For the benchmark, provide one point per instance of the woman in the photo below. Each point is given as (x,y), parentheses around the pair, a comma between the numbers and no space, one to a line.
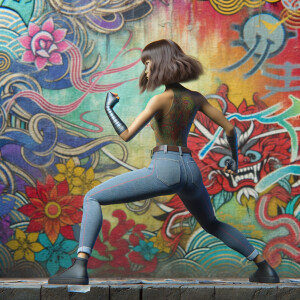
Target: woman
(172,168)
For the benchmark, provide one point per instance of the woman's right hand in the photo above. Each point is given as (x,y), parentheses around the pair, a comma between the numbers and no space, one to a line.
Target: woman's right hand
(231,167)
(111,99)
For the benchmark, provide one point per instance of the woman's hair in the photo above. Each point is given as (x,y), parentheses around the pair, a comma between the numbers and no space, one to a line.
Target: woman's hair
(169,64)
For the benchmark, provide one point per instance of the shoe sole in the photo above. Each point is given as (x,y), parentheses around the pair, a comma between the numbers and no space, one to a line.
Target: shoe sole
(265,280)
(80,281)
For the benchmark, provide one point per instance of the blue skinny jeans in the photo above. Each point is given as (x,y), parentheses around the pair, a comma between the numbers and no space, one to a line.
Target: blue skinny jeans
(168,173)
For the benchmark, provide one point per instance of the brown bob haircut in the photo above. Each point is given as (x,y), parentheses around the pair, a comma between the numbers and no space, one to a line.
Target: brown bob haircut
(169,64)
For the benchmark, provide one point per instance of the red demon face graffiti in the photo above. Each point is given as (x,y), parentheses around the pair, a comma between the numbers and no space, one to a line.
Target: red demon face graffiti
(260,151)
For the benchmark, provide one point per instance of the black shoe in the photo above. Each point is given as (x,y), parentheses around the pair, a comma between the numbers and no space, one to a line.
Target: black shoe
(264,274)
(76,274)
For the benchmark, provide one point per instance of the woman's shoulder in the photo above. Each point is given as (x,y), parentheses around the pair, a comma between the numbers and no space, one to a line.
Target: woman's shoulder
(195,94)
(197,97)
(161,100)
(165,96)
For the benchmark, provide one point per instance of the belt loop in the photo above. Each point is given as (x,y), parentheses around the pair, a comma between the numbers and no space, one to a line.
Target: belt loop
(151,153)
(180,150)
(165,148)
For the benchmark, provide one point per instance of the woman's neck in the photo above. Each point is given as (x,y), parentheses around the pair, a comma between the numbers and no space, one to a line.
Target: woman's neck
(172,85)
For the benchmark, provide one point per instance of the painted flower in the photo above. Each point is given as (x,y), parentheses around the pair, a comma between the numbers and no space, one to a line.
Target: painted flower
(146,249)
(84,183)
(44,44)
(52,209)
(112,247)
(68,171)
(80,182)
(5,231)
(114,250)
(24,245)
(160,243)
(58,254)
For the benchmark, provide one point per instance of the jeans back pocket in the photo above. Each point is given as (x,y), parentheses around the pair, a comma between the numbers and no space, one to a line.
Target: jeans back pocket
(168,171)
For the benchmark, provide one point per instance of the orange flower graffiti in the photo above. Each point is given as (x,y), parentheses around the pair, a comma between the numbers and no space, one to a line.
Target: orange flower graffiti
(52,209)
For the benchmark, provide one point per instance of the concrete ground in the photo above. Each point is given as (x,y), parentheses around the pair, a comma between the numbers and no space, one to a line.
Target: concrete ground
(155,289)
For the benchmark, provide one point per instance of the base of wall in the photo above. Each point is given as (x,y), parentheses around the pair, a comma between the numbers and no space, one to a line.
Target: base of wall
(138,289)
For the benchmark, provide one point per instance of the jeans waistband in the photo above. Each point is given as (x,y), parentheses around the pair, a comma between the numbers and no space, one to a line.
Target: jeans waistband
(167,148)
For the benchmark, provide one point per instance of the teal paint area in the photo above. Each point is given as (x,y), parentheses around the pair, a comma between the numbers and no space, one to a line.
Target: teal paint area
(23,7)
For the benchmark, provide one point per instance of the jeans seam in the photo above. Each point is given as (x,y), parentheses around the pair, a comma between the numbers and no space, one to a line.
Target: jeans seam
(191,173)
(193,181)
(85,220)
(183,166)
(235,239)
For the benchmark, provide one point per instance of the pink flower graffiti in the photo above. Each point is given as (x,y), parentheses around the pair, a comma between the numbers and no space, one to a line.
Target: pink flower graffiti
(44,44)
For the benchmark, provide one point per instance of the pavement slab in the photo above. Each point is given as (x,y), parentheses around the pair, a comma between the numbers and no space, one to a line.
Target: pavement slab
(149,289)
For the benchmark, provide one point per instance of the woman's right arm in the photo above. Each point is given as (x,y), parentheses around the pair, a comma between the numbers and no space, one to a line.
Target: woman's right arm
(218,117)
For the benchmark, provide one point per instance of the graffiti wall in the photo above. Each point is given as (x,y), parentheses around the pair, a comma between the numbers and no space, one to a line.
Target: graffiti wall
(58,59)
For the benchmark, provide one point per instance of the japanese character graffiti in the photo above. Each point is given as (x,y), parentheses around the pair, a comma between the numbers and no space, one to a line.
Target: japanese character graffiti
(262,36)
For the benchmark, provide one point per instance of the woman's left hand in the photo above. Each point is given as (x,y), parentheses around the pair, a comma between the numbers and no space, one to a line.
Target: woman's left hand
(231,167)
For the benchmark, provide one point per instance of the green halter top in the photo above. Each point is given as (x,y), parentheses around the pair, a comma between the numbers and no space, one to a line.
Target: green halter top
(173,128)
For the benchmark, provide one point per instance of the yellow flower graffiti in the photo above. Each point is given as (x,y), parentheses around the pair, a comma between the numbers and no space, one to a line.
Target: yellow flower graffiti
(80,182)
(160,243)
(68,171)
(230,7)
(25,245)
(84,183)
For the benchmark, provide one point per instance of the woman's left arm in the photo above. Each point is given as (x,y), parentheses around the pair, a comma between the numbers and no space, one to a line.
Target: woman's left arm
(154,105)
